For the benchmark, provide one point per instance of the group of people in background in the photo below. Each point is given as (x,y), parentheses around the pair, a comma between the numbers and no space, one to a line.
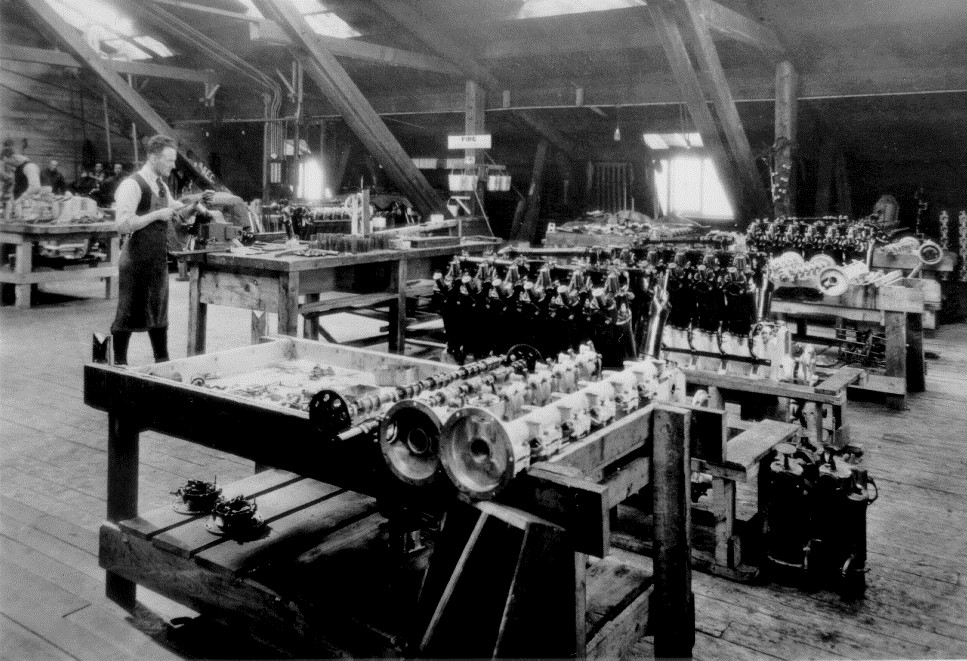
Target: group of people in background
(22,177)
(97,183)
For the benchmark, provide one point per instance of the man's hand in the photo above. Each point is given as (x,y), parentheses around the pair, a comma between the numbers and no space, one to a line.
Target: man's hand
(208,196)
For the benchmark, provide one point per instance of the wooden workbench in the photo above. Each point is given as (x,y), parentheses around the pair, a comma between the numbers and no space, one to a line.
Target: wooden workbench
(510,578)
(308,286)
(24,237)
(899,308)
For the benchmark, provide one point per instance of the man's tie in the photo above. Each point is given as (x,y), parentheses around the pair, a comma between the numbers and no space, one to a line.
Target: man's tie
(162,193)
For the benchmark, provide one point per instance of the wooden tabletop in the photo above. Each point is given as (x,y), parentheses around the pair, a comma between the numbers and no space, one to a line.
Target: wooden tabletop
(48,229)
(289,263)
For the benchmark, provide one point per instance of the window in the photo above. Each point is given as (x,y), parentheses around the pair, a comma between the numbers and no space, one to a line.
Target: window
(688,184)
(109,31)
(541,8)
(311,184)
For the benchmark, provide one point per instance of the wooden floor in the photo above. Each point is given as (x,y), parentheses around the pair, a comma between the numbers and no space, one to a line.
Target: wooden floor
(52,484)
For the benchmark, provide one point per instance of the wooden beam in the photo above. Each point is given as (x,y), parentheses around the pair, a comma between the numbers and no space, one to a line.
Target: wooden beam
(696,31)
(271,32)
(525,215)
(474,124)
(824,177)
(58,58)
(673,44)
(108,79)
(435,37)
(784,189)
(732,25)
(347,98)
(609,30)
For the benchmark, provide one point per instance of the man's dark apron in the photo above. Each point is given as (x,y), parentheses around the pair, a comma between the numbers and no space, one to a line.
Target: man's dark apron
(143,269)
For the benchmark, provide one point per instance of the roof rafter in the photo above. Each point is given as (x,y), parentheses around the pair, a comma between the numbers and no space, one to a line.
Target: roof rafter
(269,31)
(59,58)
(133,104)
(423,28)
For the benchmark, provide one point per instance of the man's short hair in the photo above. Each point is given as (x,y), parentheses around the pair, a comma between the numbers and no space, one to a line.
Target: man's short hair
(158,143)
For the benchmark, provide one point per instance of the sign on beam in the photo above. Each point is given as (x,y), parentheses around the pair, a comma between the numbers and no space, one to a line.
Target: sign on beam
(468,141)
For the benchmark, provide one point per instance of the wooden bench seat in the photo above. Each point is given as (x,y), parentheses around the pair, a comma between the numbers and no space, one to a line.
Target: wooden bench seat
(321,579)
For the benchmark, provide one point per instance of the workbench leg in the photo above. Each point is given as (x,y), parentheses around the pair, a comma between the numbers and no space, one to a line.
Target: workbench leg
(727,552)
(197,313)
(259,326)
(25,264)
(673,613)
(916,367)
(397,316)
(122,493)
(310,323)
(896,344)
(114,259)
(289,304)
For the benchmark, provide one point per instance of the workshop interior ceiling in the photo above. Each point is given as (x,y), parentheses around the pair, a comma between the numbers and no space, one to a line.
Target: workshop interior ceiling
(887,78)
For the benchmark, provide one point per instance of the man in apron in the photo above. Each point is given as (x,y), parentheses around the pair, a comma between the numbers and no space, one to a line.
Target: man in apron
(144,208)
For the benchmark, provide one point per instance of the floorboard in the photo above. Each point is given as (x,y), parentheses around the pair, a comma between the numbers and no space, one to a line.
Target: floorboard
(52,499)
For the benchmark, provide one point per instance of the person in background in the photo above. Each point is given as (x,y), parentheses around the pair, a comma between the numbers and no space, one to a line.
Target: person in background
(99,172)
(52,177)
(143,209)
(25,174)
(85,184)
(110,185)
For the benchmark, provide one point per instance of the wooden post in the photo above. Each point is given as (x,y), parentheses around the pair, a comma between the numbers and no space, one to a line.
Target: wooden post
(397,311)
(113,259)
(673,612)
(122,492)
(525,216)
(260,326)
(706,54)
(197,313)
(844,198)
(787,84)
(107,129)
(474,113)
(672,42)
(916,369)
(24,253)
(289,303)
(824,177)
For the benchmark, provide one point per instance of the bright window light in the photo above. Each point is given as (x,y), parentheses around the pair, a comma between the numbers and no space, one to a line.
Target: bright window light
(126,50)
(154,46)
(101,22)
(669,140)
(308,6)
(311,180)
(539,8)
(689,185)
(330,25)
(93,11)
